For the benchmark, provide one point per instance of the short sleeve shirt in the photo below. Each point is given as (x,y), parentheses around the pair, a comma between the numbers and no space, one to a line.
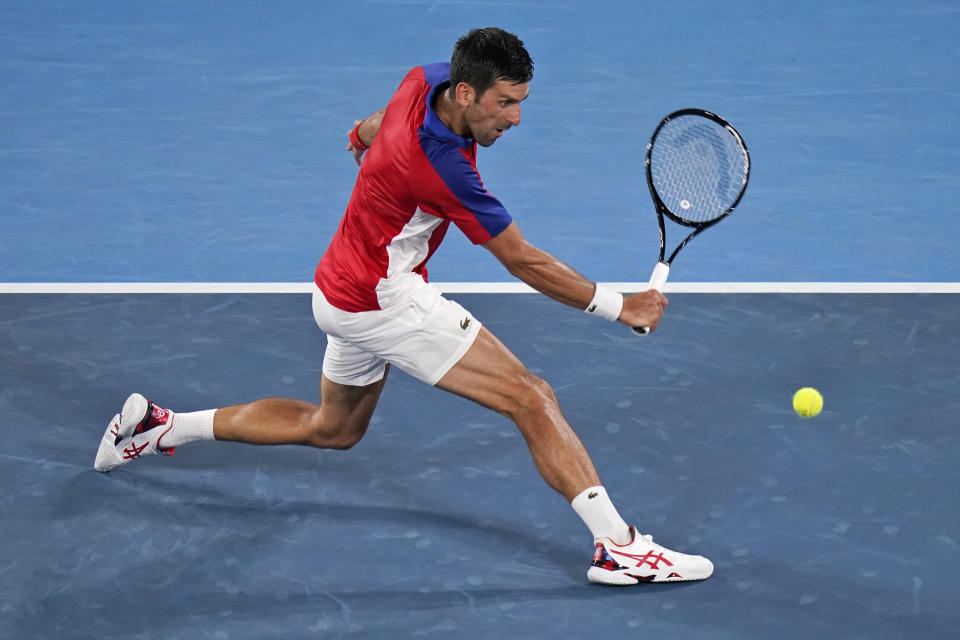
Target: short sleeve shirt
(417,177)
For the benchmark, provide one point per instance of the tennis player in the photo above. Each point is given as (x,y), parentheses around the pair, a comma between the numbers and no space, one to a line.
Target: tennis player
(417,175)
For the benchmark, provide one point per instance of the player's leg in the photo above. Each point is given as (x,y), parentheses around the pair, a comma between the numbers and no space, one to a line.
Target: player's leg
(338,422)
(350,388)
(492,376)
(439,342)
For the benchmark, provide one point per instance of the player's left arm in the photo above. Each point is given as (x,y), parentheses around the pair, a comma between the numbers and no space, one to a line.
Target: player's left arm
(556,279)
(365,131)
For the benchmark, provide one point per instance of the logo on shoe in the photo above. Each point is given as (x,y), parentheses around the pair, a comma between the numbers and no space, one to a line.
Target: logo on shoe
(160,416)
(133,451)
(650,558)
(599,554)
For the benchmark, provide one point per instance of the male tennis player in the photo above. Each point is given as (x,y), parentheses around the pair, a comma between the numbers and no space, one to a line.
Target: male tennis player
(375,305)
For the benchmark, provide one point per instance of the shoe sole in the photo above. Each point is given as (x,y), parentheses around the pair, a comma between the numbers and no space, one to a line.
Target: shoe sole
(134,412)
(626,579)
(107,457)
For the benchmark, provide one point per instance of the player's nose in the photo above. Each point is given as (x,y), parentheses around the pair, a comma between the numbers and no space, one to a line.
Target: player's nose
(513,116)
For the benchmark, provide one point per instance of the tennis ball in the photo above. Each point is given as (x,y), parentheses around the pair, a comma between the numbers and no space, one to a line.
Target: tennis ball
(807,402)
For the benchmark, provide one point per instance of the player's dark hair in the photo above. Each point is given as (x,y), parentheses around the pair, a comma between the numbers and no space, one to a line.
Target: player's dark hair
(484,56)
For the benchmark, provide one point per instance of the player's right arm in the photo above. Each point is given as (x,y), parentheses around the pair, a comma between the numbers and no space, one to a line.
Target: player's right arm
(366,130)
(557,280)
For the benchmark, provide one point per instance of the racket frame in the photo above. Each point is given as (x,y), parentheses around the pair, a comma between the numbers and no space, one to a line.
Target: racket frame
(662,269)
(662,208)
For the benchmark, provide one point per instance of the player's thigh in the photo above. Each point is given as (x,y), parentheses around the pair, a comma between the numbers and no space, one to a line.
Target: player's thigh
(491,375)
(350,405)
(350,384)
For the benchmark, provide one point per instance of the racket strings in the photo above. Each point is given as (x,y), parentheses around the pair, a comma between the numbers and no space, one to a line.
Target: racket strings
(698,168)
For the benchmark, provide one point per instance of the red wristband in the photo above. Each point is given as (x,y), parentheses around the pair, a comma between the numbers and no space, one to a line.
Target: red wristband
(355,140)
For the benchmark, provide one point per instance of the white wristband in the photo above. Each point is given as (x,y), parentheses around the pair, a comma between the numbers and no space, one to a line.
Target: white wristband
(606,303)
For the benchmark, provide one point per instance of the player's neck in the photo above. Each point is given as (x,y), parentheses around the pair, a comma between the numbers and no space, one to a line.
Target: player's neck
(452,114)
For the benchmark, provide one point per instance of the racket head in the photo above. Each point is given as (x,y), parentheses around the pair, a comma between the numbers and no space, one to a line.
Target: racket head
(697,168)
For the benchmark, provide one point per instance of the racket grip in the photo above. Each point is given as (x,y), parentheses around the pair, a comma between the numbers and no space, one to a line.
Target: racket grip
(657,279)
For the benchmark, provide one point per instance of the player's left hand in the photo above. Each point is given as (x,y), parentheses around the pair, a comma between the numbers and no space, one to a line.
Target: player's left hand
(357,153)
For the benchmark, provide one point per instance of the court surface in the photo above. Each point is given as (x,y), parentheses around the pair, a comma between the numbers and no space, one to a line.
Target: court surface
(438,524)
(202,145)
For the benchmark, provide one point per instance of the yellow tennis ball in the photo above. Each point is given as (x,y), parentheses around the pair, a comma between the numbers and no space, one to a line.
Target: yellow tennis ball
(807,402)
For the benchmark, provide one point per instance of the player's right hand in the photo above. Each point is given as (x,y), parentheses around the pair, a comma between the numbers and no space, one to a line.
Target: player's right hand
(357,153)
(643,309)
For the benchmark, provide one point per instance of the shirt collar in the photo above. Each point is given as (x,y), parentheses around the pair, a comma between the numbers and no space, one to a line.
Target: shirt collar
(435,126)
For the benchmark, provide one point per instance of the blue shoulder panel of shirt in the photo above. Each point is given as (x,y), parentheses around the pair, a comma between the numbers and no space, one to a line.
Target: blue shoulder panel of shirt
(443,149)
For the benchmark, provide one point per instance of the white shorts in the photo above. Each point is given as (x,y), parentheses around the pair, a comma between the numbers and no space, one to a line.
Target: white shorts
(425,335)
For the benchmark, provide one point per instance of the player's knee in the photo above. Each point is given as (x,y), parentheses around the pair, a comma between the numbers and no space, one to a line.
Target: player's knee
(534,395)
(335,434)
(344,441)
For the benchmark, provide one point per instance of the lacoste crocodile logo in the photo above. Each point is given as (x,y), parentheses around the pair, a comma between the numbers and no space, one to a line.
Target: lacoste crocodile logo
(465,323)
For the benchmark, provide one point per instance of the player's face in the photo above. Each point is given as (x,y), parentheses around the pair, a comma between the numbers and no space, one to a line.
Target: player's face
(495,111)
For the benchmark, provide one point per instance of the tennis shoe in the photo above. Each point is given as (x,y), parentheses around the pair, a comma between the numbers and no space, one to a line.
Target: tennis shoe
(643,560)
(132,433)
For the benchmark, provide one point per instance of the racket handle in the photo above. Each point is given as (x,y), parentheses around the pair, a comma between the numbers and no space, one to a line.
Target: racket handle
(657,279)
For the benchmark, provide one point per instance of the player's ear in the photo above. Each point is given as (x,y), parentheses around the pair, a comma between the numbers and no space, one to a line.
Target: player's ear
(465,94)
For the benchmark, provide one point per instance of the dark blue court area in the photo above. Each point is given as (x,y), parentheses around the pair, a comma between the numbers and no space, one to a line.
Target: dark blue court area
(203,142)
(437,524)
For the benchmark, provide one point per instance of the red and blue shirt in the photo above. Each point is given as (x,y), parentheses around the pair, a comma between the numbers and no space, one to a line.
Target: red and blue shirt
(417,177)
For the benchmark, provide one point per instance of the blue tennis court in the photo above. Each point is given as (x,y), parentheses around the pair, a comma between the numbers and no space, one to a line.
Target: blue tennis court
(202,146)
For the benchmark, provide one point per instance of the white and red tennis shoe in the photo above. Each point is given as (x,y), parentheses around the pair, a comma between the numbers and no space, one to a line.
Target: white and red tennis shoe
(132,433)
(643,560)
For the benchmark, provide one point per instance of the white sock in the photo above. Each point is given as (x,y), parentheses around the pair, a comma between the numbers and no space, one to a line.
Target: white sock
(601,517)
(189,427)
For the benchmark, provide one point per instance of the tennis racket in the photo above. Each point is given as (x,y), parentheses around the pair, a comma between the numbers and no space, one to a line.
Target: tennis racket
(697,171)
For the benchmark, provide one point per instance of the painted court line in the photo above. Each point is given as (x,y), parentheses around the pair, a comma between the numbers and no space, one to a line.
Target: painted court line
(479,287)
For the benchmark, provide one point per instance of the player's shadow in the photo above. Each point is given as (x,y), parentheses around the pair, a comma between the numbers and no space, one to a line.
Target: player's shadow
(131,497)
(128,493)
